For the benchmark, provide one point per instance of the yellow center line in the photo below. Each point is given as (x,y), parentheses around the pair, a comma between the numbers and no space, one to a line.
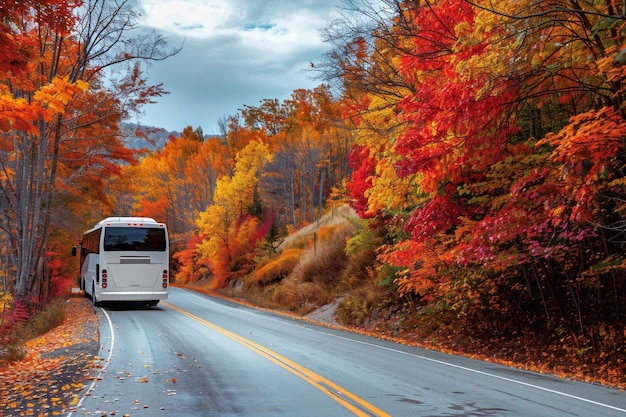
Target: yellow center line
(344,397)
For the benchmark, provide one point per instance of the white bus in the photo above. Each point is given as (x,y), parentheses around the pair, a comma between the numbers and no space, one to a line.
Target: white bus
(125,259)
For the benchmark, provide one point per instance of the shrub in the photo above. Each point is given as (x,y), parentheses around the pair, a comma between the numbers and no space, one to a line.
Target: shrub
(44,321)
(280,295)
(356,309)
(12,352)
(36,325)
(326,233)
(361,256)
(275,270)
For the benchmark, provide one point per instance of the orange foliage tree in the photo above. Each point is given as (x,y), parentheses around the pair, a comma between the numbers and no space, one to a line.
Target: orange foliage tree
(60,140)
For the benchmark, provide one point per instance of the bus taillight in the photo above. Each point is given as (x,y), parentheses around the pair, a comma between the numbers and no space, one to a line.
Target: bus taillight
(105,275)
(164,279)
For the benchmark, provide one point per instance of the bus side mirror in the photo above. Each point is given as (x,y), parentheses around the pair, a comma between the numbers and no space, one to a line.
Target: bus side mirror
(73,250)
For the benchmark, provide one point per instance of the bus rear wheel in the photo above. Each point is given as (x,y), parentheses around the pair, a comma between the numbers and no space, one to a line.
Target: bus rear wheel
(96,303)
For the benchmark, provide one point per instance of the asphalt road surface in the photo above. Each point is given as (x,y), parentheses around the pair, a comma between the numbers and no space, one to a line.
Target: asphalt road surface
(198,356)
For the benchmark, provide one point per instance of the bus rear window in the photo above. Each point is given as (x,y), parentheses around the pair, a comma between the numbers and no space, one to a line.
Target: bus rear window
(134,239)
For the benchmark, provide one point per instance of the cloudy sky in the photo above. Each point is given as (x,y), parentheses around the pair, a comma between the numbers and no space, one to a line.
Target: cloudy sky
(235,53)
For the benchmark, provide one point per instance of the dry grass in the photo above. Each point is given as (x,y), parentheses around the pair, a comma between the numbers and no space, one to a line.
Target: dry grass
(314,280)
(303,236)
(309,270)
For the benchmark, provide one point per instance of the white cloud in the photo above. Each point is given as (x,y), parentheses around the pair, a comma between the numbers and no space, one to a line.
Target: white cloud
(199,19)
(236,53)
(267,25)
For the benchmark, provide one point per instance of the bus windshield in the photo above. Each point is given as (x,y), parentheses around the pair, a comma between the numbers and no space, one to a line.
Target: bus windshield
(134,239)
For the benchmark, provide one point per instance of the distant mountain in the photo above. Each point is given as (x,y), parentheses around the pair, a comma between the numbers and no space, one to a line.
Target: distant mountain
(157,136)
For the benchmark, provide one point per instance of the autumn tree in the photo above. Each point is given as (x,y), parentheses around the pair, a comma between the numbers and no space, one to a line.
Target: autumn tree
(366,46)
(310,144)
(229,230)
(161,182)
(503,150)
(306,145)
(60,136)
(175,184)
(564,194)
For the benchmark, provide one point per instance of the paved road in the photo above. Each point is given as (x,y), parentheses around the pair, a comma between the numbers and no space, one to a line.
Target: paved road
(198,356)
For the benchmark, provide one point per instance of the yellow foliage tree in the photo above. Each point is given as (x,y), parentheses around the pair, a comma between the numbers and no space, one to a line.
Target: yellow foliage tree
(226,227)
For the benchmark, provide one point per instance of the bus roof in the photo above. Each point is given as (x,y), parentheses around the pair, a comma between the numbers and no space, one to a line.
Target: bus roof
(126,221)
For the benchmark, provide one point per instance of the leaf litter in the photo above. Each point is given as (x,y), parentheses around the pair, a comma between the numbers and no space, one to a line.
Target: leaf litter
(49,380)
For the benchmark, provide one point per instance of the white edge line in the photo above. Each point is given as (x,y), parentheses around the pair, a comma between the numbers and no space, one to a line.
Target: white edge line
(103,369)
(564,394)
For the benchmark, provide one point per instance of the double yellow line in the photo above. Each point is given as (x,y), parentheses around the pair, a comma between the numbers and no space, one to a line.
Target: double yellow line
(355,404)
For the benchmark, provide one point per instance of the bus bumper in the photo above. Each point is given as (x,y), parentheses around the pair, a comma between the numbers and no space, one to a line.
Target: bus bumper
(131,296)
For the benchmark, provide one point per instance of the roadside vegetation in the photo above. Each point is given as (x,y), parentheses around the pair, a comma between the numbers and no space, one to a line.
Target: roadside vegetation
(22,325)
(311,267)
